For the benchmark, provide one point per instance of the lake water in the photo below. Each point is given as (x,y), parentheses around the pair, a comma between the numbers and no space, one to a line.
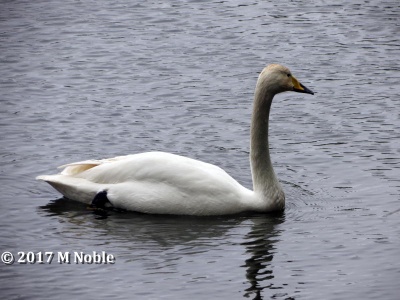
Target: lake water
(95,79)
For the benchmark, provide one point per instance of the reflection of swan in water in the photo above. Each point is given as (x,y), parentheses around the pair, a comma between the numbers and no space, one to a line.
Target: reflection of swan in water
(260,245)
(163,183)
(164,242)
(137,228)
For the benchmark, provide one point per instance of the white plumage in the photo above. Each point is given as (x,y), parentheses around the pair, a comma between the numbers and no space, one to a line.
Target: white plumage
(163,183)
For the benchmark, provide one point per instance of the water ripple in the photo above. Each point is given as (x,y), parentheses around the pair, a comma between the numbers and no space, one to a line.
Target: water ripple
(97,79)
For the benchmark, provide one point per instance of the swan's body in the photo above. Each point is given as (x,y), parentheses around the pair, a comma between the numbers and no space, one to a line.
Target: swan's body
(163,183)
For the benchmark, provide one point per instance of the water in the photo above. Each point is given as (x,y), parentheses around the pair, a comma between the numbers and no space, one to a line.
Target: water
(96,79)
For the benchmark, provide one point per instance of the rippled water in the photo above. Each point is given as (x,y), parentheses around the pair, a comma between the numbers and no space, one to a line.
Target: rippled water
(93,79)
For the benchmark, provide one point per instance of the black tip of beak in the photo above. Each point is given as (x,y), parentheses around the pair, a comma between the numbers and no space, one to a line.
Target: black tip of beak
(304,90)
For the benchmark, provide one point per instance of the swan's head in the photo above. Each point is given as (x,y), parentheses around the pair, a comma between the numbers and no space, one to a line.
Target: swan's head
(277,79)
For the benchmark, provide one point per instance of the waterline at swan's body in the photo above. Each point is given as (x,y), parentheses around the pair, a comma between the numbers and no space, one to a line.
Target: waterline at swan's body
(163,183)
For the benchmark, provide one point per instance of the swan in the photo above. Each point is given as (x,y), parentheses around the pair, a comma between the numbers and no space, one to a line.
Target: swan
(164,183)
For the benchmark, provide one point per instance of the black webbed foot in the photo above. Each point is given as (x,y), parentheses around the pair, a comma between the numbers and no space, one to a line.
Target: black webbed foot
(101,201)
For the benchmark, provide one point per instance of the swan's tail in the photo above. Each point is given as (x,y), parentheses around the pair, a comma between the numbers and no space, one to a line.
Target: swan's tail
(73,188)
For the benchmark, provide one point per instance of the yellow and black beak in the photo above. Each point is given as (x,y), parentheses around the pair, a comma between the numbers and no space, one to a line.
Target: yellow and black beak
(298,87)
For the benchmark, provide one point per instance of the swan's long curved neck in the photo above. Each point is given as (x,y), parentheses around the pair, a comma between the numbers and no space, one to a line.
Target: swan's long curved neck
(265,182)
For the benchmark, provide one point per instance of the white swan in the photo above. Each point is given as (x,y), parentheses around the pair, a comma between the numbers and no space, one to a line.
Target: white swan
(163,183)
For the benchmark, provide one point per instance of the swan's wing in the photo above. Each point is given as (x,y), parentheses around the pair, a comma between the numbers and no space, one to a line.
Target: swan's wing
(81,166)
(155,182)
(151,166)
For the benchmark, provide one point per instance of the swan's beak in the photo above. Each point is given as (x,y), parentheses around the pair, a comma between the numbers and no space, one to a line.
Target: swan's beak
(298,87)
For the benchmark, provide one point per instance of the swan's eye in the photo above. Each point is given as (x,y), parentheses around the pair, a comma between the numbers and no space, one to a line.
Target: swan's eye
(288,75)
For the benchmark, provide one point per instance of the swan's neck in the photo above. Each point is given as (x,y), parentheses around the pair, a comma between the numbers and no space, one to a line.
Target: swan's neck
(265,182)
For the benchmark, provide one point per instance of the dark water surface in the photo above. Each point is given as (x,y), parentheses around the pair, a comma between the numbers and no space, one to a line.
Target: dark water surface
(94,79)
